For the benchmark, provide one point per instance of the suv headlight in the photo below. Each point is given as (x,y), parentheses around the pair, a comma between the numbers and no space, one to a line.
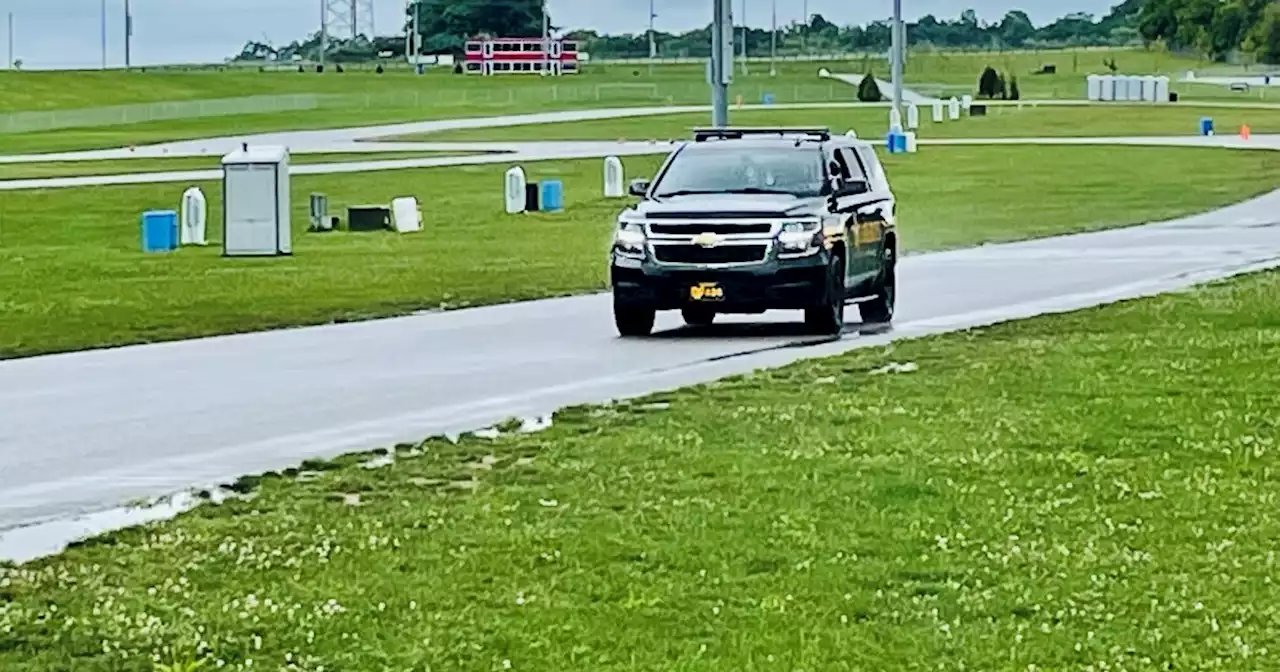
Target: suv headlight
(800,238)
(629,239)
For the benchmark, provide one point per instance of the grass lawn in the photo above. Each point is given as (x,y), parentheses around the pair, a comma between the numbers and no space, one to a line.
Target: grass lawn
(14,171)
(72,275)
(1086,491)
(1000,122)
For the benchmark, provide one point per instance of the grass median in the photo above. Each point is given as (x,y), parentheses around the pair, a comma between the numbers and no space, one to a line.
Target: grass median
(72,275)
(1092,490)
(1000,122)
(41,169)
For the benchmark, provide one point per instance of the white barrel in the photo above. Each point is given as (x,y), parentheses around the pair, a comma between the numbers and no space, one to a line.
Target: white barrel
(937,111)
(514,184)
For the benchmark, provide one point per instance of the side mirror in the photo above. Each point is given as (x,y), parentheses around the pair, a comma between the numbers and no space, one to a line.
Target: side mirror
(855,187)
(638,187)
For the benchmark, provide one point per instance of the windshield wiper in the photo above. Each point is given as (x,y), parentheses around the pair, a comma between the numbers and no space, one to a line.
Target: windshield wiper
(686,192)
(757,190)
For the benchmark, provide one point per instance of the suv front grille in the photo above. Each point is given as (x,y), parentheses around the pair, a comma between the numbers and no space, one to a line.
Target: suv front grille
(720,228)
(724,254)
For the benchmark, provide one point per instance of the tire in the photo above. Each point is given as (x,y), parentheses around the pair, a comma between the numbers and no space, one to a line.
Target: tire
(632,320)
(828,318)
(698,316)
(879,310)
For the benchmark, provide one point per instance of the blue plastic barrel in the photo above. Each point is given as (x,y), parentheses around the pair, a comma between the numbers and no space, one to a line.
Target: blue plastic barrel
(896,142)
(552,196)
(159,230)
(1206,125)
(767,99)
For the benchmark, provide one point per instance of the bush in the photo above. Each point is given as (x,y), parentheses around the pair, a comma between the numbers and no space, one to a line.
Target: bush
(1013,90)
(869,90)
(1002,89)
(989,83)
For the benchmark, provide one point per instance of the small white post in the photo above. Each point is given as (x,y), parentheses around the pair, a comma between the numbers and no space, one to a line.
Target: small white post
(937,111)
(955,108)
(913,116)
(194,215)
(613,178)
(515,186)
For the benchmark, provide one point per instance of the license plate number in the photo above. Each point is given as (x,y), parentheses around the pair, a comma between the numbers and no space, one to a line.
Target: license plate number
(706,291)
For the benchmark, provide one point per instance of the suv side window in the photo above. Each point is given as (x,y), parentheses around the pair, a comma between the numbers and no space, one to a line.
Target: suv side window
(875,170)
(840,167)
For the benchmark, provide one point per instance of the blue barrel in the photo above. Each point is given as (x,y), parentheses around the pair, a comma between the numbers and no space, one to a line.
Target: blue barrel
(896,142)
(552,196)
(1206,125)
(159,230)
(767,99)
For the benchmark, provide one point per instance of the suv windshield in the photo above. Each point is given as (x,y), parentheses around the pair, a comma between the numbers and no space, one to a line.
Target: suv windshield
(718,170)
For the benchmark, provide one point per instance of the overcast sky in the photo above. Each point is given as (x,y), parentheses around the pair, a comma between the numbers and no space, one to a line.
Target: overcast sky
(66,33)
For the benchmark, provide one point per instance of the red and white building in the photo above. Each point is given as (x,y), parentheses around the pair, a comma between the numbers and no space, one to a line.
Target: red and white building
(502,55)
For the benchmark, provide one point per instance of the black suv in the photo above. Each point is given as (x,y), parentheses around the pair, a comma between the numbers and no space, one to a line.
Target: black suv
(744,220)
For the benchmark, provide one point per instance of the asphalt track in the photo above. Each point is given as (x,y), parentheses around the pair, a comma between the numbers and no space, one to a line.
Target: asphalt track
(86,431)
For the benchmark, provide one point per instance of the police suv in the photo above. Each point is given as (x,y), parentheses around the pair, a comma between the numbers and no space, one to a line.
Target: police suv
(744,220)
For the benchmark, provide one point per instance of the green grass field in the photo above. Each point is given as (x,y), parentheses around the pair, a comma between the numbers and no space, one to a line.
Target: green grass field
(1089,491)
(1000,122)
(38,169)
(72,275)
(363,98)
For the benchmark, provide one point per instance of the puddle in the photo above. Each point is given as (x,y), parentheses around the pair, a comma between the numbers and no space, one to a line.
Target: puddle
(24,544)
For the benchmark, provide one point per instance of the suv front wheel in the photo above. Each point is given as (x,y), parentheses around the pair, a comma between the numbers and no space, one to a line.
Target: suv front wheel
(632,320)
(879,310)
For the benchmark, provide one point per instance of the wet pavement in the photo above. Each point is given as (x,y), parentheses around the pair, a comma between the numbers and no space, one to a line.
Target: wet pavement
(90,430)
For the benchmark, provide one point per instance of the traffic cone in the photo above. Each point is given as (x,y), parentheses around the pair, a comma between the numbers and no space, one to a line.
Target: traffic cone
(1244,132)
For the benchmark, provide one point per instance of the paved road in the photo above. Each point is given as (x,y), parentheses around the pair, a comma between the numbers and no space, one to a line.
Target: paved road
(88,430)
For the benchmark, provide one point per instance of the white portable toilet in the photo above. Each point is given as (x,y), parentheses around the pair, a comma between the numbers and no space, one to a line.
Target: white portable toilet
(194,212)
(613,178)
(514,185)
(954,108)
(1162,89)
(1094,88)
(1149,89)
(937,111)
(255,191)
(1135,89)
(913,116)
(1106,88)
(1122,88)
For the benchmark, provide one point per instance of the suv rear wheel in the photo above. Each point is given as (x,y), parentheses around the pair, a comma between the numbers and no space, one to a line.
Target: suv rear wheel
(828,319)
(632,320)
(879,310)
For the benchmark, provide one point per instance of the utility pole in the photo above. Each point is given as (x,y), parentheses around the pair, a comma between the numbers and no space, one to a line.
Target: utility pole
(11,61)
(416,39)
(324,31)
(744,37)
(102,21)
(721,70)
(773,43)
(899,36)
(804,35)
(128,37)
(546,40)
(653,46)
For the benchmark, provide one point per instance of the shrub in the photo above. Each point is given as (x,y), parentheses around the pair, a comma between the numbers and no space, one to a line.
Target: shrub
(989,83)
(869,90)
(1013,90)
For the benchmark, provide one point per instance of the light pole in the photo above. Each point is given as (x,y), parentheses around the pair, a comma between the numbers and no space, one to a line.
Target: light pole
(898,37)
(102,20)
(653,47)
(744,37)
(128,37)
(11,40)
(546,42)
(773,43)
(721,70)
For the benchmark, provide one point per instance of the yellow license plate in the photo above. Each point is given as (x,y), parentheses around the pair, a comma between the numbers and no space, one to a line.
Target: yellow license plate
(706,291)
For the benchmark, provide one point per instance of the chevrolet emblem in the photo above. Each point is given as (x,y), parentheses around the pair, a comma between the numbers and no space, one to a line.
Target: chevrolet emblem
(707,240)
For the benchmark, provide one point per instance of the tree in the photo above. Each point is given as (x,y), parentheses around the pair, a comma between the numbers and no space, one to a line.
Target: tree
(447,24)
(1014,94)
(989,83)
(1016,28)
(869,90)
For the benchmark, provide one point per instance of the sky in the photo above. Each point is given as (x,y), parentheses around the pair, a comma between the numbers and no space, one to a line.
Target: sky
(67,33)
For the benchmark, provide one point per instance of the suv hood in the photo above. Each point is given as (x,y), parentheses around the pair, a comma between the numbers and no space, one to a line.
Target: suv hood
(706,206)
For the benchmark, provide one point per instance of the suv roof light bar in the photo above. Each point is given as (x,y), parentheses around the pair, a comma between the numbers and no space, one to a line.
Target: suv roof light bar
(732,133)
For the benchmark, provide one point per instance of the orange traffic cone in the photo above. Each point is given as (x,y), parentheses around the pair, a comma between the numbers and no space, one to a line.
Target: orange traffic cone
(1244,132)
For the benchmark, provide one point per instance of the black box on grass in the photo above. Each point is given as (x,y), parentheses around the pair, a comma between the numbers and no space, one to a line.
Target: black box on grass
(368,218)
(532,191)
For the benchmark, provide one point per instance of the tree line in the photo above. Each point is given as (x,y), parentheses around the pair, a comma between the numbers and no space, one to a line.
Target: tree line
(1218,29)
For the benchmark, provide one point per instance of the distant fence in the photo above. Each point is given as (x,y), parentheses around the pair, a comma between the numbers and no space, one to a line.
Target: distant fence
(27,122)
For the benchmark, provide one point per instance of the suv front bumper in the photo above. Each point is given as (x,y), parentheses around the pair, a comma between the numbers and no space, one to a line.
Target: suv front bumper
(774,284)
